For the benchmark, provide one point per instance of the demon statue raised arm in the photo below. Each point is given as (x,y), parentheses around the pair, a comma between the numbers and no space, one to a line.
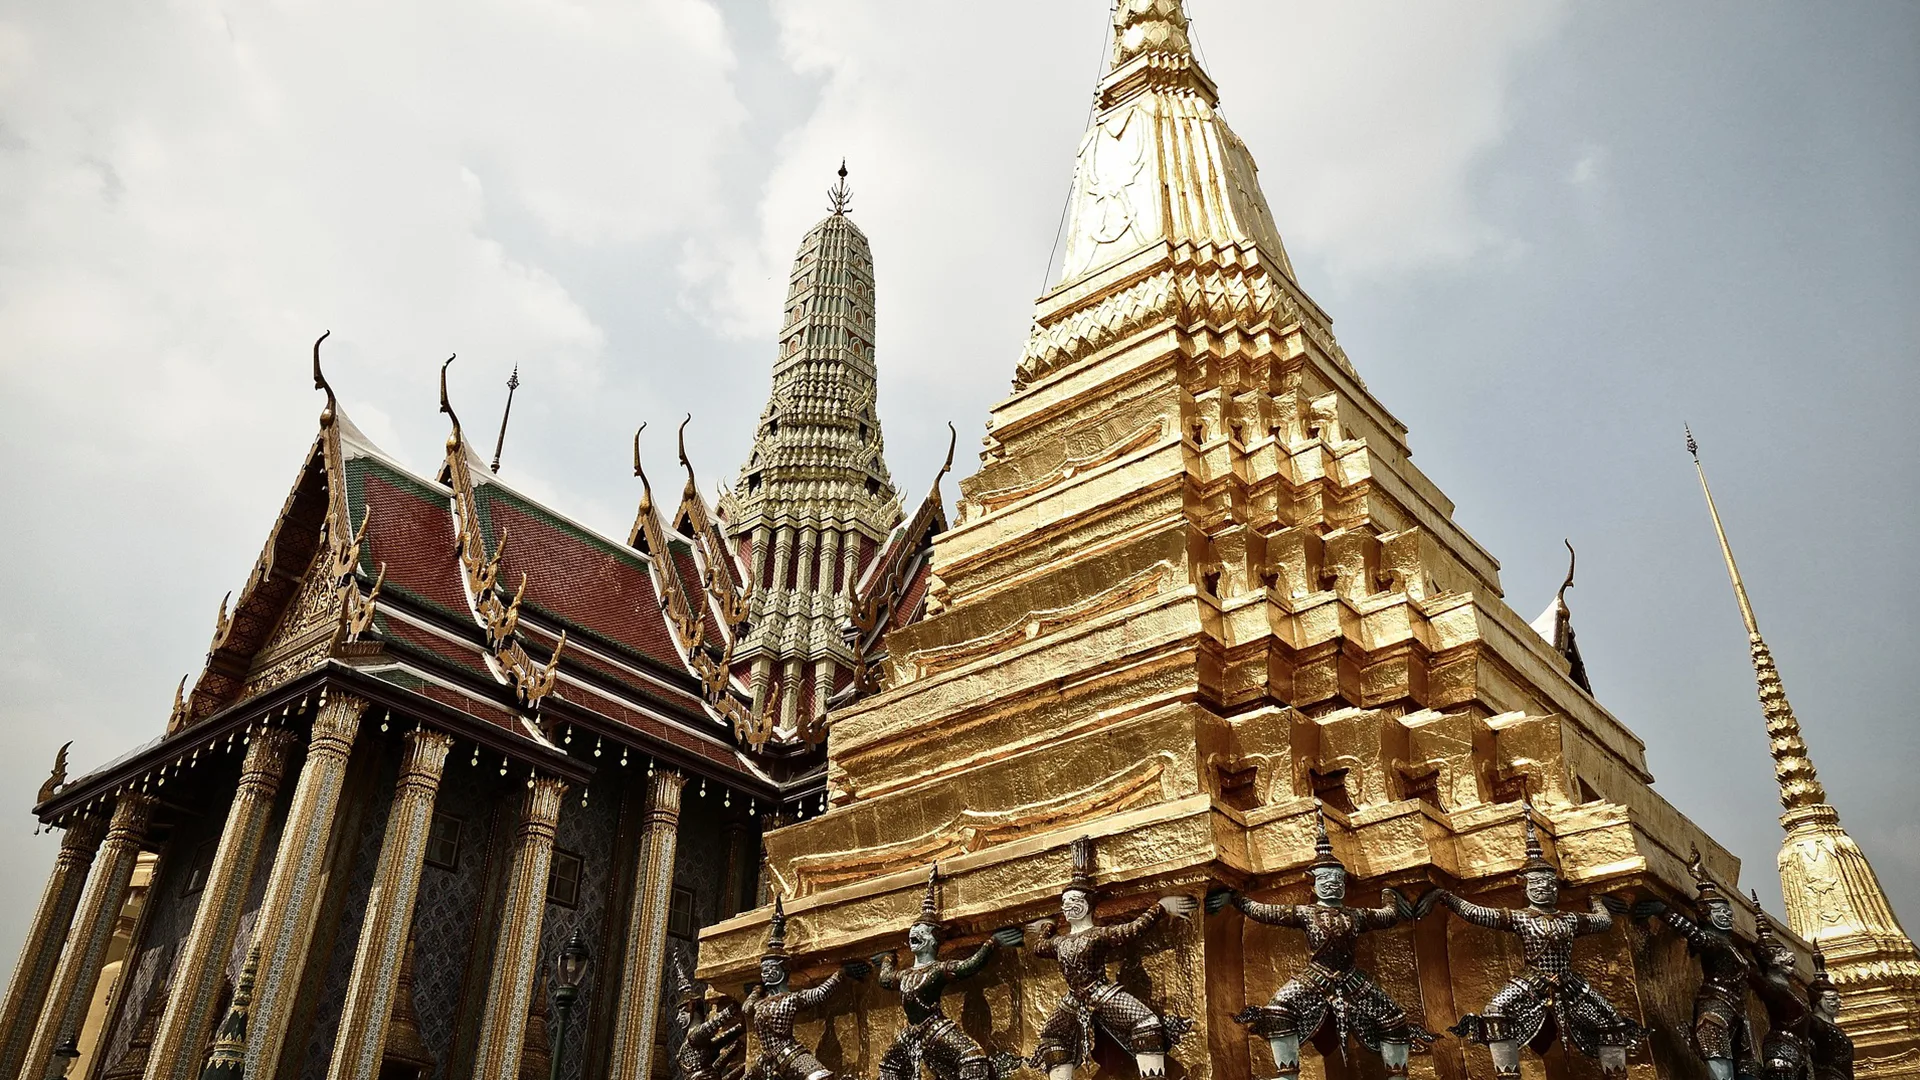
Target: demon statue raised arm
(1721,1035)
(1094,1001)
(772,1008)
(713,1046)
(1784,1052)
(1832,1048)
(931,1039)
(1331,984)
(1518,1013)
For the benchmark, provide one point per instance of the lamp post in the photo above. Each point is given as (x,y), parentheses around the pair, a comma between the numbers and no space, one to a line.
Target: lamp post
(569,968)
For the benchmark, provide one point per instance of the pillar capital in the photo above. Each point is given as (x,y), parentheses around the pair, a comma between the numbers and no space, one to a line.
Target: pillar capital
(84,833)
(663,792)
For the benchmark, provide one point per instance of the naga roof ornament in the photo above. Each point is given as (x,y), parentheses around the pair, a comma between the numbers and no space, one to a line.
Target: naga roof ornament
(498,617)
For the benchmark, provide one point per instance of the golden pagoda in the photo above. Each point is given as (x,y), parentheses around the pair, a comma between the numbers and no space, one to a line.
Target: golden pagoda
(1834,899)
(1197,588)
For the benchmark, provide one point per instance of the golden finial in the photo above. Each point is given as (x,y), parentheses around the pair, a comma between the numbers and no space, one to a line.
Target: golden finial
(840,196)
(1572,559)
(320,382)
(953,440)
(454,440)
(646,489)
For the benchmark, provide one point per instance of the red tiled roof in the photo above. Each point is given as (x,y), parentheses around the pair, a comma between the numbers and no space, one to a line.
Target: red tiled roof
(589,584)
(907,607)
(413,535)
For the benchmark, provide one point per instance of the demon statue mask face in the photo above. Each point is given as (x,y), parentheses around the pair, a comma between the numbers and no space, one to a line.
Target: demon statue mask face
(1543,890)
(1329,884)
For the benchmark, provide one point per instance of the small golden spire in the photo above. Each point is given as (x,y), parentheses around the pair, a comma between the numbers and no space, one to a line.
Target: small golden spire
(1792,768)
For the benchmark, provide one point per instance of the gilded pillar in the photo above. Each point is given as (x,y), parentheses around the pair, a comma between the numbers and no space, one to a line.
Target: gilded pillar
(27,993)
(388,920)
(644,967)
(292,901)
(86,948)
(503,1021)
(202,961)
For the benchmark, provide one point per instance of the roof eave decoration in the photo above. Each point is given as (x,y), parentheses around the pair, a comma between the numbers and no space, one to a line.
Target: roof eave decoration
(874,605)
(724,576)
(497,616)
(228,674)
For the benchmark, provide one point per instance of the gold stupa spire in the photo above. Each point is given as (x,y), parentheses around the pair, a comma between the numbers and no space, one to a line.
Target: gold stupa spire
(1834,899)
(1792,769)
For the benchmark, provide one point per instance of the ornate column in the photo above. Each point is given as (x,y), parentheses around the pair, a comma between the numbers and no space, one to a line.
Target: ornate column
(27,994)
(292,901)
(829,570)
(86,950)
(202,961)
(643,969)
(385,927)
(503,1022)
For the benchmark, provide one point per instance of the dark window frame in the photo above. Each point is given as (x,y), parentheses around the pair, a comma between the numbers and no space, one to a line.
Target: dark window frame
(561,856)
(433,837)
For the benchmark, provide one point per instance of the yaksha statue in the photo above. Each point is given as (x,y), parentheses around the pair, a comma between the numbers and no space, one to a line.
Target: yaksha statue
(1094,1001)
(772,1008)
(1331,985)
(1785,1052)
(1832,1049)
(931,1039)
(713,1046)
(1721,1035)
(1518,1013)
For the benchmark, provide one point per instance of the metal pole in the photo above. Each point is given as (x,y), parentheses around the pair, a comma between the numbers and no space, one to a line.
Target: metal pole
(563,1001)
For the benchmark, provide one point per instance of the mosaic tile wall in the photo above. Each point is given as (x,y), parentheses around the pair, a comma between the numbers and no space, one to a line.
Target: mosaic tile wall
(448,908)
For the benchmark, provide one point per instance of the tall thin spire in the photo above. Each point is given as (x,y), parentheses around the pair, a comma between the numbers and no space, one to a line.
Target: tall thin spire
(1792,768)
(1834,898)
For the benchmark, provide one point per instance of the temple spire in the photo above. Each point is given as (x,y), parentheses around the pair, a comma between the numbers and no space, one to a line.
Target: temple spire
(1834,898)
(1792,768)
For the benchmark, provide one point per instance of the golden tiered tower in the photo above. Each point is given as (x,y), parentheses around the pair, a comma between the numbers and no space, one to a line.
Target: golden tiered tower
(1834,899)
(1196,585)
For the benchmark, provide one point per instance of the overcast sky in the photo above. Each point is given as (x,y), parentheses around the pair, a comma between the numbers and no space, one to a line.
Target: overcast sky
(1548,234)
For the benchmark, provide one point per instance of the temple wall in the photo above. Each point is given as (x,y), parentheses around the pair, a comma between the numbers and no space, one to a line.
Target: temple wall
(447,915)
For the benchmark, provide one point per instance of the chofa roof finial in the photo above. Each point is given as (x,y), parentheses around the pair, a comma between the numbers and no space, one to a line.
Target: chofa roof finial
(320,382)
